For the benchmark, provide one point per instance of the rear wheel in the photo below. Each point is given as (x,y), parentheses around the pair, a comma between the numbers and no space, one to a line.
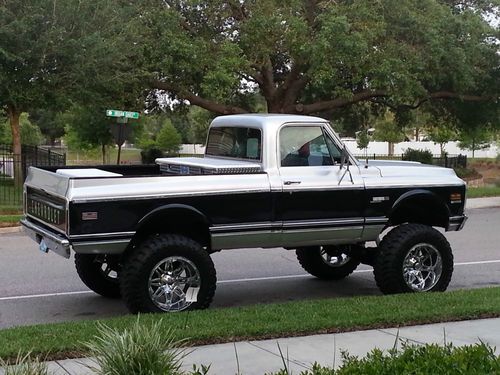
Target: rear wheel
(99,273)
(327,262)
(168,273)
(413,258)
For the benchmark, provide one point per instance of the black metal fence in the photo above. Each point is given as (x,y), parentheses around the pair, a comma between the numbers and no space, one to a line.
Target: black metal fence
(447,161)
(11,196)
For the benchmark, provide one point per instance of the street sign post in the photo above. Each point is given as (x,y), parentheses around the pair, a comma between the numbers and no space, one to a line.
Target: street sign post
(119,130)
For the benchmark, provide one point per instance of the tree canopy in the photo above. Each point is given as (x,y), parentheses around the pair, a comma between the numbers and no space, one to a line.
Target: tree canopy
(312,56)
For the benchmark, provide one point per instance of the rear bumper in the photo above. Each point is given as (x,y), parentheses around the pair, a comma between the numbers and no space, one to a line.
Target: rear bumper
(54,242)
(456,223)
(62,246)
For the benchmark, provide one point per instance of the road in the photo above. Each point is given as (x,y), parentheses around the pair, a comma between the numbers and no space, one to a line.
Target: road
(41,288)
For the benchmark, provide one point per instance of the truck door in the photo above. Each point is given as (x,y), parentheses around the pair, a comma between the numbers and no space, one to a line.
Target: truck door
(320,202)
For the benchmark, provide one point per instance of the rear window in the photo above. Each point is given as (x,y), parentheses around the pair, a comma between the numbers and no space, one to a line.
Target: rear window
(235,142)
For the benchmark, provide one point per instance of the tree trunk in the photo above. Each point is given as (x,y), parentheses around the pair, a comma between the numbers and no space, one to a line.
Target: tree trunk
(15,127)
(391,148)
(103,149)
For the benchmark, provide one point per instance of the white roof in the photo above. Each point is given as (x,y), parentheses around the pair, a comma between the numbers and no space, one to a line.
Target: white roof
(261,120)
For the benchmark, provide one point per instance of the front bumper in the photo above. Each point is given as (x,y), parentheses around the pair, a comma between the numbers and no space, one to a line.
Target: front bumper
(54,242)
(456,223)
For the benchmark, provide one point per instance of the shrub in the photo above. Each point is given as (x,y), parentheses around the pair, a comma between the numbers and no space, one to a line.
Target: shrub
(422,156)
(25,365)
(433,359)
(139,350)
(150,154)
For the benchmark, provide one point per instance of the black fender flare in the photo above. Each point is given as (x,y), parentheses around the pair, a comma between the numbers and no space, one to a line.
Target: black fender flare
(173,209)
(419,194)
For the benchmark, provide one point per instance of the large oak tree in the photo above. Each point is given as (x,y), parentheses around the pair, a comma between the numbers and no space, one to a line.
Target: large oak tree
(312,56)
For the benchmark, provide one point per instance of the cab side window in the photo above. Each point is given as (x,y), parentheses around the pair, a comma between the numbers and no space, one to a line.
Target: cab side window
(305,146)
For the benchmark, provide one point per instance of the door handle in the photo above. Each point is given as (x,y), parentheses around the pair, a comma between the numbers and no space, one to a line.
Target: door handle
(292,182)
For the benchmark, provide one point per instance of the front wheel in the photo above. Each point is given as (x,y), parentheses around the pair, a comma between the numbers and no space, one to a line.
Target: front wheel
(168,273)
(413,258)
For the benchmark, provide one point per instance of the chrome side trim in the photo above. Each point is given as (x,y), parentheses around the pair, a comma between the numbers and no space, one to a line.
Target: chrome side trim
(376,220)
(244,226)
(286,224)
(112,247)
(54,242)
(162,196)
(101,235)
(318,223)
(414,185)
(321,236)
(287,238)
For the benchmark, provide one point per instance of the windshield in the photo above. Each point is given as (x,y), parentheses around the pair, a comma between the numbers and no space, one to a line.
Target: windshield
(235,142)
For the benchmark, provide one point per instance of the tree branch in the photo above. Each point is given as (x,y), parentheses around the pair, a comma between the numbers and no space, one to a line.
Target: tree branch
(334,103)
(207,104)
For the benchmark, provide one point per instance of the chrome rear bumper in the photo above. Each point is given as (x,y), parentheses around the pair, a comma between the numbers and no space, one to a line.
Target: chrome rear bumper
(54,242)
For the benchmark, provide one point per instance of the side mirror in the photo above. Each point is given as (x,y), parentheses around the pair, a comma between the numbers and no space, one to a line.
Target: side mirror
(344,158)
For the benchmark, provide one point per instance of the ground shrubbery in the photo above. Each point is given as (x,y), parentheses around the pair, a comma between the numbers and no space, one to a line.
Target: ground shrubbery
(422,156)
(432,359)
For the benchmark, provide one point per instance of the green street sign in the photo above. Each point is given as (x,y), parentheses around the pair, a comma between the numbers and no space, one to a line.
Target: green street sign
(117,113)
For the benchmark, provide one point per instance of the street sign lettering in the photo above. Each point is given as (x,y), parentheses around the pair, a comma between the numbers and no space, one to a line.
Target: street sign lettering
(118,113)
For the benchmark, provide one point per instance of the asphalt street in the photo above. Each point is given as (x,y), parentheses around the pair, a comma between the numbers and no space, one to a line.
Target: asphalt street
(41,288)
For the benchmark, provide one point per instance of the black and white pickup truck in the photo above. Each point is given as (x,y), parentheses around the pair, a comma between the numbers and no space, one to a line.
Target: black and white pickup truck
(146,233)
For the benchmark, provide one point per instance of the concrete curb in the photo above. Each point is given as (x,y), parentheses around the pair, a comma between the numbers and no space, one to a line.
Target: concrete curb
(7,230)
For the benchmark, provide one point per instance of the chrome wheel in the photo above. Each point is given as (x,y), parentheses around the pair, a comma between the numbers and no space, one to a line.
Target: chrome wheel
(334,258)
(422,267)
(169,282)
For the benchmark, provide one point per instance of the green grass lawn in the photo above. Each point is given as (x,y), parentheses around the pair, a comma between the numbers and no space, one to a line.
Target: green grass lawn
(485,191)
(265,321)
(128,156)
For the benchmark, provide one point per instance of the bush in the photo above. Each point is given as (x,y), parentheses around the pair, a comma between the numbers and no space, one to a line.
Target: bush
(422,156)
(140,350)
(150,154)
(25,365)
(429,359)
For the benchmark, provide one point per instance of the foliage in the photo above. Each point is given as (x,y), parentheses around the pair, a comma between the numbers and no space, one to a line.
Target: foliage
(25,365)
(412,359)
(475,138)
(441,133)
(422,156)
(199,119)
(150,153)
(316,56)
(387,130)
(362,139)
(49,122)
(30,133)
(140,350)
(160,134)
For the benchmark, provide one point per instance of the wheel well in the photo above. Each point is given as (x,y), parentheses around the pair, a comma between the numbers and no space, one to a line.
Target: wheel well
(422,209)
(177,220)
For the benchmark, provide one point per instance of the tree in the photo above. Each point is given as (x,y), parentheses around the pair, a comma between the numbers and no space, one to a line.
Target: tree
(49,122)
(475,139)
(312,56)
(168,138)
(387,130)
(54,51)
(29,132)
(87,129)
(441,133)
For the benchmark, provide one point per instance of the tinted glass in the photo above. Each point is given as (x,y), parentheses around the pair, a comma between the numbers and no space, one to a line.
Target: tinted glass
(303,146)
(238,143)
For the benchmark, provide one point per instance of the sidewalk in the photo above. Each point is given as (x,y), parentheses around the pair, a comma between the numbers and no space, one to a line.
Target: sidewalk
(259,357)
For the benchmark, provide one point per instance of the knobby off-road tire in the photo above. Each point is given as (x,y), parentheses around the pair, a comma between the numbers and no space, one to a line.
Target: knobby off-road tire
(413,258)
(157,276)
(100,273)
(326,263)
